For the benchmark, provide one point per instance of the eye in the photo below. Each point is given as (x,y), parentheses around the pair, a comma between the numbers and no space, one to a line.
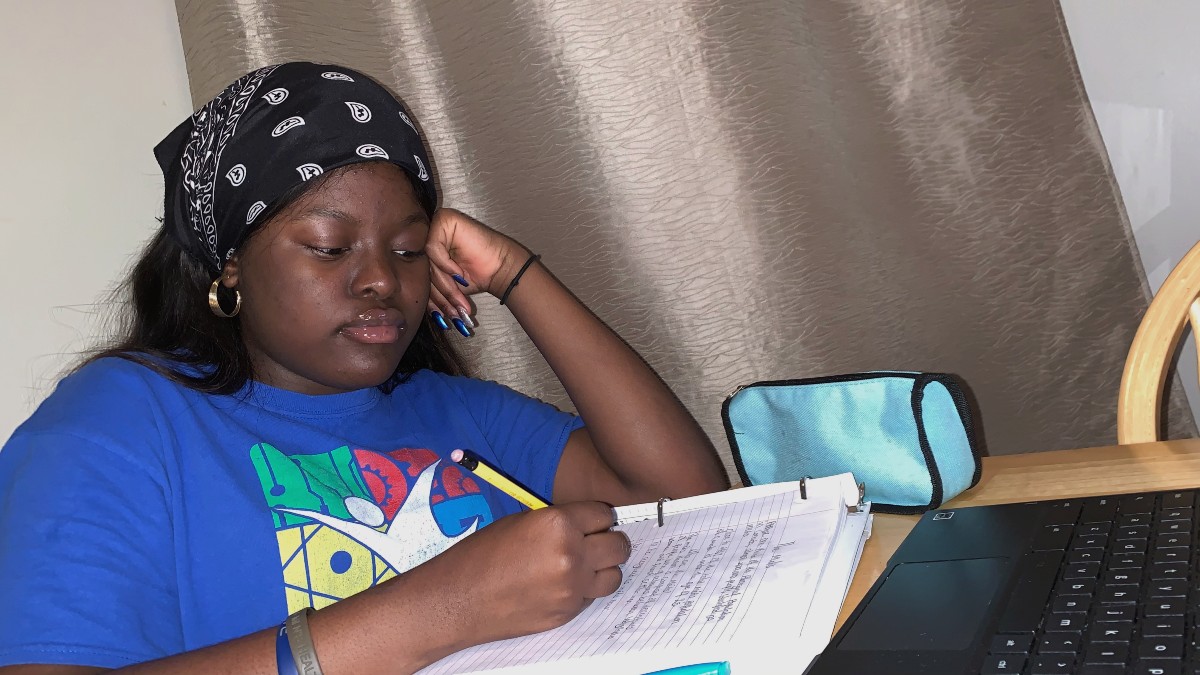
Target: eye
(405,254)
(327,252)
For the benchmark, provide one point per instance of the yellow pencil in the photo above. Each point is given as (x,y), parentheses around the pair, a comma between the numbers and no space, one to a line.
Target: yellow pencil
(471,463)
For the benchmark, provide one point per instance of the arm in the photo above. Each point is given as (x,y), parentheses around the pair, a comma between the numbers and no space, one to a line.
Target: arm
(640,442)
(522,574)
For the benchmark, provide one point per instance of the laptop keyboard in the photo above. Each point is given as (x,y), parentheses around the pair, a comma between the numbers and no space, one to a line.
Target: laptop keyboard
(1105,589)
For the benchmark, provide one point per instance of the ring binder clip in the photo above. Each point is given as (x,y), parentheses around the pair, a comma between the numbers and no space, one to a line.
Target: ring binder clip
(862,494)
(661,501)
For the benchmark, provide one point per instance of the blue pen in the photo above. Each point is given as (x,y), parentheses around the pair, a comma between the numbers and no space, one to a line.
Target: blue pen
(715,668)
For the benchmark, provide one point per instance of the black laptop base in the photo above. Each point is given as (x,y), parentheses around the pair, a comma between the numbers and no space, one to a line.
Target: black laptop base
(1090,586)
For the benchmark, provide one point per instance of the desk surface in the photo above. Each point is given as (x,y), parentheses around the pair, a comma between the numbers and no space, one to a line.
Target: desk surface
(1043,475)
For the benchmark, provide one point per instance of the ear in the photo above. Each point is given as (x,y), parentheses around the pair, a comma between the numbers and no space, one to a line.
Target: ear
(230,273)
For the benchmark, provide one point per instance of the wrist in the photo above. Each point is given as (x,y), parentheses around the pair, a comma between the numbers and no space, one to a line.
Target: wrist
(516,279)
(509,268)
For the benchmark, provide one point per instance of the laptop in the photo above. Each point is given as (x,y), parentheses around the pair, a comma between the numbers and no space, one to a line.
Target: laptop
(1090,586)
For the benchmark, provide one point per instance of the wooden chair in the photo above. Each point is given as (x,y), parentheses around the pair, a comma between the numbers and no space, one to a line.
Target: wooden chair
(1139,406)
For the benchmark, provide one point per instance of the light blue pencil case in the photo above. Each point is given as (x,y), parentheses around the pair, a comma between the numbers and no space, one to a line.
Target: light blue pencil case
(909,437)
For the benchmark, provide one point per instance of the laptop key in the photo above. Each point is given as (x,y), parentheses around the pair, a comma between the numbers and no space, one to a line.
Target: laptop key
(1106,653)
(1158,667)
(1168,589)
(1052,664)
(1137,504)
(1171,555)
(1160,571)
(1060,643)
(1117,595)
(1169,626)
(1111,632)
(1091,541)
(1064,623)
(1173,527)
(1133,532)
(1121,613)
(1098,510)
(1082,571)
(1176,514)
(1173,540)
(1077,587)
(1081,555)
(1020,643)
(1052,538)
(1121,577)
(1135,561)
(1003,663)
(1102,669)
(1165,607)
(1071,604)
(1161,647)
(1179,500)
(1062,513)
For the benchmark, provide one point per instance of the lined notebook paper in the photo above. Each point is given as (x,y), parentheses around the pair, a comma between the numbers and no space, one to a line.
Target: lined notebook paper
(741,576)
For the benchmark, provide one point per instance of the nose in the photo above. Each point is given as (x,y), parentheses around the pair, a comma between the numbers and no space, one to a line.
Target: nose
(375,274)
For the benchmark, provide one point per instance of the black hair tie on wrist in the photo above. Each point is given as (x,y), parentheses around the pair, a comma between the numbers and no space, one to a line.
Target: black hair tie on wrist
(513,284)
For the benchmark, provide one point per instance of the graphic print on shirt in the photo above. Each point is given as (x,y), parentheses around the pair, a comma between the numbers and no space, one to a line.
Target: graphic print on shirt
(346,520)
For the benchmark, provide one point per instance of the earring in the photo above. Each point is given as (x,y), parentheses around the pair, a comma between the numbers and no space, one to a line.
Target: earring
(215,305)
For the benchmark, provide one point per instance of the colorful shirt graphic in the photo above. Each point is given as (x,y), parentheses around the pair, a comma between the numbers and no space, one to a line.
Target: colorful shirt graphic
(346,520)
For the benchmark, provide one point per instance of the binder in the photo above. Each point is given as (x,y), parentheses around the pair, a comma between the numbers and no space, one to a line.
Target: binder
(754,576)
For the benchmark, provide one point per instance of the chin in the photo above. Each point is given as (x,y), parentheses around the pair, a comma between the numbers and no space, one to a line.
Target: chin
(360,375)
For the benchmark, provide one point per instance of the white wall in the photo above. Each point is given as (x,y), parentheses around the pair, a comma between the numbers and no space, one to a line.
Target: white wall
(88,88)
(1138,61)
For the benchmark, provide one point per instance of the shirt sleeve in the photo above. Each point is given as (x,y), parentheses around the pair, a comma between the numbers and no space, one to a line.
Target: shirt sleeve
(87,574)
(526,435)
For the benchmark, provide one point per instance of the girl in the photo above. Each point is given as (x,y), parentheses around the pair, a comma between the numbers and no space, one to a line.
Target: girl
(272,434)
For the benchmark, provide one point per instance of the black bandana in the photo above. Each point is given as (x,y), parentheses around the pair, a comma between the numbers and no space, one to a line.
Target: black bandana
(268,131)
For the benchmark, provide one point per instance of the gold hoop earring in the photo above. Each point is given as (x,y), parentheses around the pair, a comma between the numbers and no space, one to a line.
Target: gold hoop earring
(215,305)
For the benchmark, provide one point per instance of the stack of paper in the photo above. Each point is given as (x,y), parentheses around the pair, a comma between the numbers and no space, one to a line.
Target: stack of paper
(754,576)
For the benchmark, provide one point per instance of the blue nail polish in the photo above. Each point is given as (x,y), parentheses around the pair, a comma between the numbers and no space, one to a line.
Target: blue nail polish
(461,281)
(440,321)
(462,327)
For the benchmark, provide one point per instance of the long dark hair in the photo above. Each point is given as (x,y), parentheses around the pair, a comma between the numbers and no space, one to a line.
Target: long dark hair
(169,328)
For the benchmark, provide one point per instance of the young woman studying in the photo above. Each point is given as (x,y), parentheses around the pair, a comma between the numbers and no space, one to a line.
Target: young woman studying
(272,434)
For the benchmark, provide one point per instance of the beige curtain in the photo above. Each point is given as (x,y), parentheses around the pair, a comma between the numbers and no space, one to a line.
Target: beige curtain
(766,189)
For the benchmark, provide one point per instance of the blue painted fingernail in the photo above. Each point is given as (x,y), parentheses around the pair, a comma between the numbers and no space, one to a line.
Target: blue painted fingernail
(440,320)
(462,327)
(461,281)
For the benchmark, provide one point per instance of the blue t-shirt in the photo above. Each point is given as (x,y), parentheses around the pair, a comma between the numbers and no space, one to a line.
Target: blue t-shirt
(139,518)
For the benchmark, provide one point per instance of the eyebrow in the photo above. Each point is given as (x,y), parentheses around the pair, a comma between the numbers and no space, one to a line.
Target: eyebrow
(338,214)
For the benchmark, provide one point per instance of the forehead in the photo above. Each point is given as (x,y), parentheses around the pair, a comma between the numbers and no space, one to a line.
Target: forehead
(366,187)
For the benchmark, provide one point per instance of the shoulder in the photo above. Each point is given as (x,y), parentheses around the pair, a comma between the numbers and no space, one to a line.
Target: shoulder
(105,394)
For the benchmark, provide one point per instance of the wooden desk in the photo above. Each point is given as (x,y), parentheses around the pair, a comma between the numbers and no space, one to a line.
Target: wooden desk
(1042,475)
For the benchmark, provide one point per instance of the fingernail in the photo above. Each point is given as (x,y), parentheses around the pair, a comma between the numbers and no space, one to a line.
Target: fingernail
(466,317)
(461,281)
(462,327)
(439,320)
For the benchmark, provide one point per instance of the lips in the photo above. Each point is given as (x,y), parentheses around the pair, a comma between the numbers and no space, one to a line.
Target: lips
(375,326)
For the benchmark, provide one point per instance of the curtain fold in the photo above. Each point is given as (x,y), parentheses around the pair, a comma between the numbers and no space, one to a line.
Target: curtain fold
(766,189)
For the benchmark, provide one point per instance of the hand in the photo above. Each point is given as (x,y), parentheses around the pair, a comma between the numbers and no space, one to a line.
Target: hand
(529,572)
(461,246)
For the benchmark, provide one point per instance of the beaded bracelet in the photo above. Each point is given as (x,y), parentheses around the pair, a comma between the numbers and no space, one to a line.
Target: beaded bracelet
(513,284)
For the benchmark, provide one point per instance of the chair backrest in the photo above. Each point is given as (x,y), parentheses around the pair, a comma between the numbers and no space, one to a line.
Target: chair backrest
(1139,405)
